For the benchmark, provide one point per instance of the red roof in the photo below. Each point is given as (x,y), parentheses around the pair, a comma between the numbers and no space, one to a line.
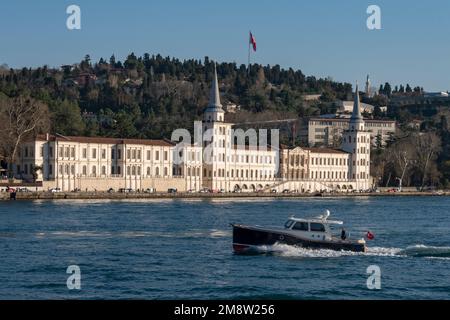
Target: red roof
(148,142)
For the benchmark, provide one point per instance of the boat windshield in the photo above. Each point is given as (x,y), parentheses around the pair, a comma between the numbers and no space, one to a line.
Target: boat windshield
(288,224)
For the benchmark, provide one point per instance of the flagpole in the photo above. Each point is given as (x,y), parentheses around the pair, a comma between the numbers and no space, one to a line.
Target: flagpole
(249,49)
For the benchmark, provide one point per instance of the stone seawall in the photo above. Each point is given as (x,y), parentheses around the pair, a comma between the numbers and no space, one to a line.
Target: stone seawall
(120,196)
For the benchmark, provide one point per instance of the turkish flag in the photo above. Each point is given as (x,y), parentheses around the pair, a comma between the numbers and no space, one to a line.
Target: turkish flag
(253,41)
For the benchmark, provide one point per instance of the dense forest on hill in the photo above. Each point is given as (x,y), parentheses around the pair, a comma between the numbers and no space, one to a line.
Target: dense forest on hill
(149,96)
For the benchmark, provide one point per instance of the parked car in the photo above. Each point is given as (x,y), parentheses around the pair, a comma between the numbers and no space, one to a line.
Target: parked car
(286,191)
(150,190)
(172,190)
(204,190)
(55,190)
(110,190)
(23,190)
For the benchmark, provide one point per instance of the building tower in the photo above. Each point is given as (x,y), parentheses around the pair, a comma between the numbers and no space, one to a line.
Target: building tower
(217,141)
(356,141)
(368,93)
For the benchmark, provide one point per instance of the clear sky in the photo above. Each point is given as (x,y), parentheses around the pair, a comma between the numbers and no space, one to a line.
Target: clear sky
(320,37)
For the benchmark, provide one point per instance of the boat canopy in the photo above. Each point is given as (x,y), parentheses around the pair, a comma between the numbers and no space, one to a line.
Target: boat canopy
(320,219)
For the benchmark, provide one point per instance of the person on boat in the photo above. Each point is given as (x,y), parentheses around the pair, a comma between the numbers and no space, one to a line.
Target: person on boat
(343,235)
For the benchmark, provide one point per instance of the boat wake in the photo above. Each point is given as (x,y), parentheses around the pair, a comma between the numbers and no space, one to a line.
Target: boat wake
(421,251)
(426,251)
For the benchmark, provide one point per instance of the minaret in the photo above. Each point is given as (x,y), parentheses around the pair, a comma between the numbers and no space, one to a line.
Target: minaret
(214,111)
(217,147)
(356,141)
(368,86)
(356,120)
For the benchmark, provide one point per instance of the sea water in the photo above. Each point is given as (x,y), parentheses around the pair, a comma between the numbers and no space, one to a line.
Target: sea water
(182,249)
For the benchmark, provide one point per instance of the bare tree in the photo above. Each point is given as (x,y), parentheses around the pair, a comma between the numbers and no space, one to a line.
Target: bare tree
(427,148)
(20,118)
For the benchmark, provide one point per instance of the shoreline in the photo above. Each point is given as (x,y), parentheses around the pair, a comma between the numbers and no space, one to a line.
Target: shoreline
(126,196)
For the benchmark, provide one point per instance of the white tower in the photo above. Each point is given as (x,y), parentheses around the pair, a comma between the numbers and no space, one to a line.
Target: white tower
(356,141)
(217,147)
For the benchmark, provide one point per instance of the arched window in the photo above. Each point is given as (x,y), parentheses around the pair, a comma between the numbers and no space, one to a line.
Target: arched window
(103,170)
(84,170)
(133,171)
(165,171)
(148,171)
(94,170)
(72,170)
(157,171)
(118,170)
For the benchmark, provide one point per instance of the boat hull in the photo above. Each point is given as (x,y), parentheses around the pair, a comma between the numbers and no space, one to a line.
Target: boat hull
(246,239)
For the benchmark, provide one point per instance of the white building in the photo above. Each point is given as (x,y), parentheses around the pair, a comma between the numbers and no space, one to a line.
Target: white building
(229,165)
(222,161)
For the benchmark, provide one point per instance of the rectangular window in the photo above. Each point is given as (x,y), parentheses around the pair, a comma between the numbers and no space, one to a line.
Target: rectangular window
(317,227)
(72,152)
(94,153)
(301,226)
(149,155)
(84,153)
(119,156)
(166,156)
(157,156)
(103,153)
(113,154)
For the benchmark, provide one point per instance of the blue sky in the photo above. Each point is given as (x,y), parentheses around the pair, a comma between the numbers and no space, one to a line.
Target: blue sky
(320,37)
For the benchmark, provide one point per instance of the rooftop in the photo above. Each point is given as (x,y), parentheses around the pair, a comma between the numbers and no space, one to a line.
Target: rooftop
(148,142)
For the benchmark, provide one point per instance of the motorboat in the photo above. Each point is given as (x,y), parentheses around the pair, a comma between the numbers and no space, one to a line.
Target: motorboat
(313,233)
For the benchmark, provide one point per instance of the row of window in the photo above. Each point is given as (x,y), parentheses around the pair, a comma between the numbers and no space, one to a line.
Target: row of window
(115,170)
(248,174)
(329,161)
(329,175)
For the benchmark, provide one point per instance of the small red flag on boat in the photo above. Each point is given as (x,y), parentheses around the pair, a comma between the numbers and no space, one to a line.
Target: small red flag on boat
(370,235)
(253,41)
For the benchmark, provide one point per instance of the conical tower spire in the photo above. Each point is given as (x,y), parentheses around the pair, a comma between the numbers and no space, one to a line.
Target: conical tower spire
(214,111)
(356,120)
(214,96)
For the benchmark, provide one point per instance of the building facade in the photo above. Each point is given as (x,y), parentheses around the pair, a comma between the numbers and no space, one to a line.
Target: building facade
(329,131)
(222,161)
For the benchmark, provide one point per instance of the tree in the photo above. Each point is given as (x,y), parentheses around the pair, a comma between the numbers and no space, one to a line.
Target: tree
(21,117)
(408,88)
(427,147)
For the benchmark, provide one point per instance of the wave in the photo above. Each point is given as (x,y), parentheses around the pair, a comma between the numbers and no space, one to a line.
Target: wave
(421,251)
(213,233)
(424,251)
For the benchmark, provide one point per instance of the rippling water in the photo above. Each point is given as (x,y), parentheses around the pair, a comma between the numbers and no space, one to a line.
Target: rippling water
(181,249)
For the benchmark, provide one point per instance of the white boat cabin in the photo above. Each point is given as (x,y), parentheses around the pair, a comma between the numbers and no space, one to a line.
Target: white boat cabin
(319,228)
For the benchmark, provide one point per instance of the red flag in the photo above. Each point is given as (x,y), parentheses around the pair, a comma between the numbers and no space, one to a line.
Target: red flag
(370,235)
(253,41)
